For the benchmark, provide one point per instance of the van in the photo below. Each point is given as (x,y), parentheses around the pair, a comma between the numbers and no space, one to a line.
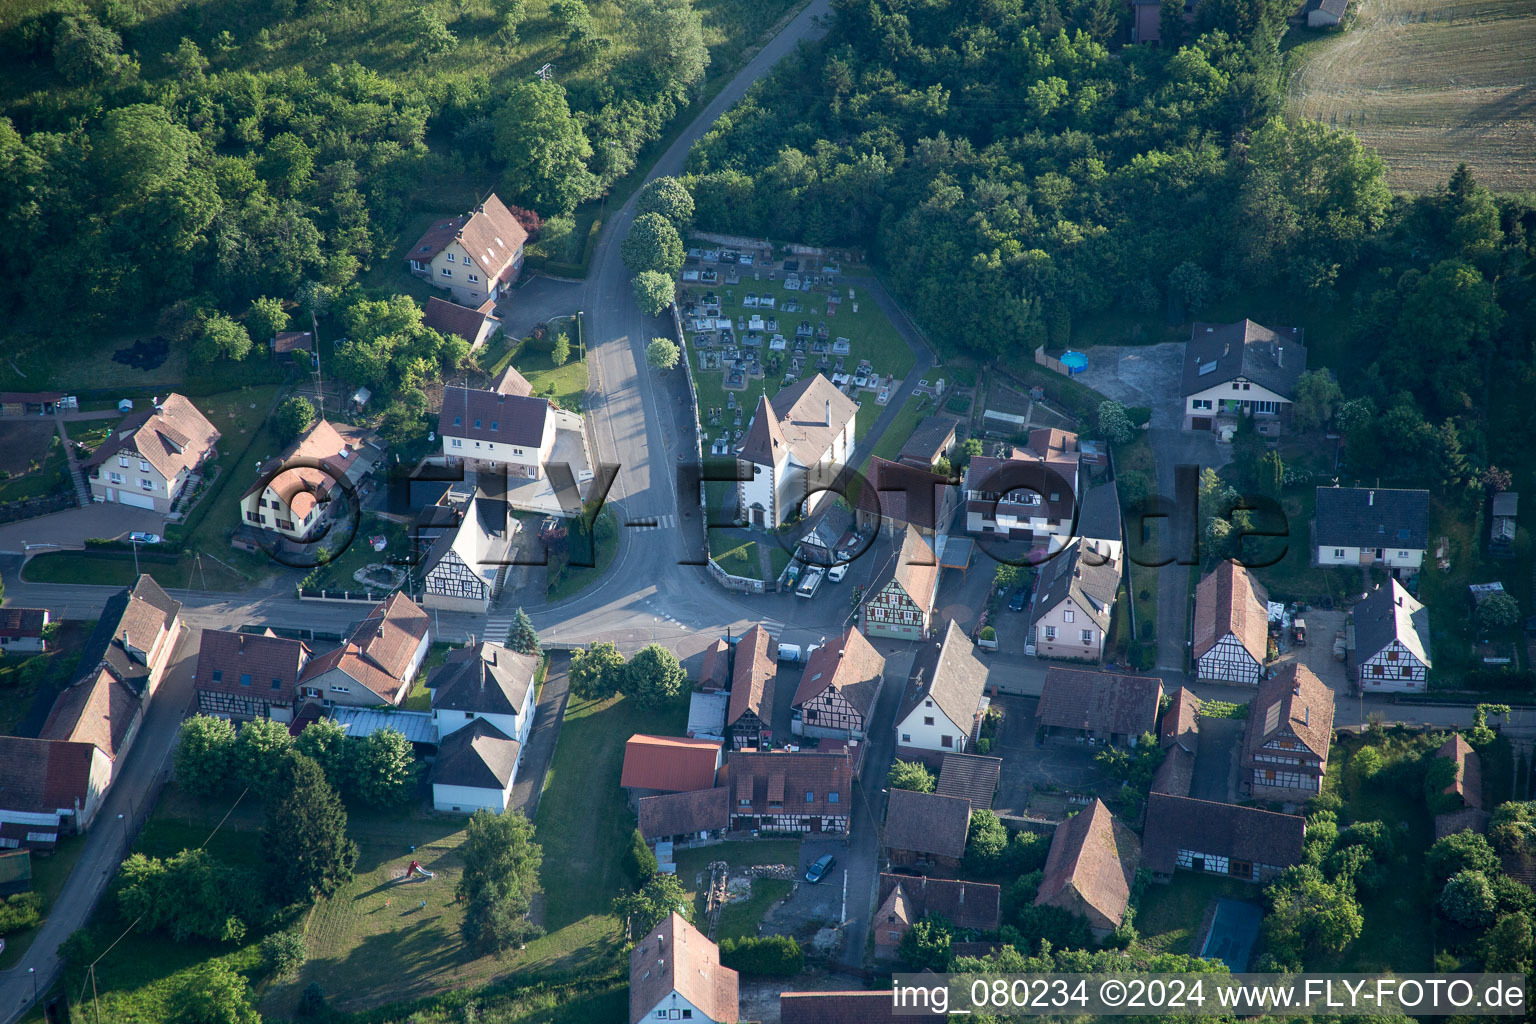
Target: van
(789,652)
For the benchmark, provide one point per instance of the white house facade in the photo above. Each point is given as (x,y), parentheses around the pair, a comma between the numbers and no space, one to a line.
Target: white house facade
(794,449)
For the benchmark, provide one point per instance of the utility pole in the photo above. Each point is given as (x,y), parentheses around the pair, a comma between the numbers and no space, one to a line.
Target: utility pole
(134,541)
(314,332)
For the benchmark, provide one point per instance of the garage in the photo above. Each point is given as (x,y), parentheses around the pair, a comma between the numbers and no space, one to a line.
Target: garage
(136,500)
(1200,423)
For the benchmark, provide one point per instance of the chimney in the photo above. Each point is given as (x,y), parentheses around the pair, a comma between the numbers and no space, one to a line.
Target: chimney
(1279,355)
(1370,498)
(1225,349)
(829,412)
(1306,715)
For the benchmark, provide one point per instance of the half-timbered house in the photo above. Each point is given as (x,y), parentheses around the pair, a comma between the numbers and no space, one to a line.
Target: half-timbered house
(905,900)
(1285,748)
(749,717)
(791,791)
(1098,707)
(1391,650)
(248,675)
(465,568)
(838,689)
(1185,834)
(903,608)
(1231,626)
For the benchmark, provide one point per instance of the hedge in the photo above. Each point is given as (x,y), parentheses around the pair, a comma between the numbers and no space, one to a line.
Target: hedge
(773,956)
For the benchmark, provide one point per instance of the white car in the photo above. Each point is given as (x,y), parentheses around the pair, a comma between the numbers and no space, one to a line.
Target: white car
(837,573)
(144,538)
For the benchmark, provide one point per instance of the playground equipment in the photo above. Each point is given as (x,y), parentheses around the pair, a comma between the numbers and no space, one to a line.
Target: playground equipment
(415,868)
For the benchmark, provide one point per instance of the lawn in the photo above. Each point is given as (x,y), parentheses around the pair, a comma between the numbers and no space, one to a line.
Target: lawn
(48,877)
(187,572)
(566,385)
(420,697)
(1428,86)
(574,579)
(1294,577)
(736,556)
(870,336)
(740,919)
(1169,915)
(337,574)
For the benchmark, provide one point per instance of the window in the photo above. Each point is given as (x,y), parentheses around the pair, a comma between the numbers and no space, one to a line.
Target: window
(1050,632)
(447,272)
(218,675)
(1266,407)
(495,424)
(277,684)
(810,797)
(1087,636)
(457,443)
(928,720)
(517,451)
(146,485)
(474,278)
(116,478)
(832,798)
(477,424)
(1338,552)
(1200,403)
(1234,383)
(1245,385)
(449,257)
(143,465)
(1402,554)
(122,460)
(341,689)
(744,803)
(1069,615)
(946,741)
(687,1015)
(927,703)
(245,679)
(906,737)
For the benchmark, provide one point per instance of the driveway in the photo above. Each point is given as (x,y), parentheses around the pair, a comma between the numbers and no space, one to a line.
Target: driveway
(539,301)
(1149,375)
(71,528)
(1025,766)
(542,738)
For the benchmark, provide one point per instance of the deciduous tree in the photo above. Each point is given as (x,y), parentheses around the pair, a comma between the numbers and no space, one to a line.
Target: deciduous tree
(265,318)
(662,353)
(204,754)
(383,768)
(294,415)
(221,338)
(543,148)
(213,994)
(669,197)
(653,244)
(645,908)
(653,291)
(596,673)
(1318,396)
(501,876)
(913,775)
(653,678)
(260,755)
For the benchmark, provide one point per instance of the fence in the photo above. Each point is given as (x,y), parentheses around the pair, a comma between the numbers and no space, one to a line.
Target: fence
(1050,362)
(342,596)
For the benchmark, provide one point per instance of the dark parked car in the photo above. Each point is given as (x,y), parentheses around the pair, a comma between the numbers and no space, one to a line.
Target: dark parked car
(1019,600)
(817,871)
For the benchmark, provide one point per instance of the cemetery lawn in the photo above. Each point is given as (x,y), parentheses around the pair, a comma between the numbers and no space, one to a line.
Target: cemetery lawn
(870,336)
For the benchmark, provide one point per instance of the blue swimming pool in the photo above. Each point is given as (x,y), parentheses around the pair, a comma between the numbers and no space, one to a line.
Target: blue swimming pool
(1075,362)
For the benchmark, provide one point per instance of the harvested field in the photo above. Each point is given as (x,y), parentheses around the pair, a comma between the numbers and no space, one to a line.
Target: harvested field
(24,442)
(1430,84)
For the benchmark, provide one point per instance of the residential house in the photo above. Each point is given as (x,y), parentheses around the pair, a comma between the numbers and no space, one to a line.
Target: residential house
(1241,369)
(1100,532)
(466,568)
(1501,530)
(474,325)
(21,630)
(1369,525)
(1231,626)
(1181,721)
(475,769)
(926,832)
(897,495)
(476,256)
(1325,13)
(943,709)
(668,764)
(904,900)
(1391,641)
(315,481)
(1099,707)
(378,660)
(675,974)
(49,788)
(1073,605)
(971,776)
(150,456)
(838,1008)
(903,608)
(794,449)
(486,682)
(1030,493)
(243,676)
(1090,868)
(135,636)
(802,791)
(1285,747)
(1186,834)
(749,717)
(838,689)
(931,440)
(295,346)
(491,430)
(685,819)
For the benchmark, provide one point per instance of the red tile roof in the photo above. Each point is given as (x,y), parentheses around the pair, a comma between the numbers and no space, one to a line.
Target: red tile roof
(452,318)
(101,710)
(19,623)
(1091,865)
(838,1008)
(849,664)
(44,776)
(1104,702)
(673,764)
(752,678)
(759,776)
(1217,830)
(1293,700)
(674,814)
(927,823)
(1181,722)
(1469,770)
(1230,600)
(263,659)
(172,438)
(677,958)
(963,904)
(379,652)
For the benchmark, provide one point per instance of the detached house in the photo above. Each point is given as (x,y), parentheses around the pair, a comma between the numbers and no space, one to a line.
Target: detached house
(465,568)
(1367,525)
(675,974)
(491,430)
(926,832)
(791,791)
(249,675)
(905,900)
(1231,626)
(903,608)
(376,663)
(838,689)
(795,447)
(1185,834)
(486,682)
(150,456)
(1098,707)
(1391,641)
(1032,493)
(299,501)
(1241,369)
(476,256)
(1073,605)
(1090,868)
(134,638)
(1285,747)
(749,716)
(475,769)
(1100,532)
(21,630)
(943,708)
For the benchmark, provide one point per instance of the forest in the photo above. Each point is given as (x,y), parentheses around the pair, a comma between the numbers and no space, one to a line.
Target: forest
(1016,169)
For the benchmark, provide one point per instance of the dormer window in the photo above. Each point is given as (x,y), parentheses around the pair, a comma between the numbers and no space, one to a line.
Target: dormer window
(456,421)
(245,679)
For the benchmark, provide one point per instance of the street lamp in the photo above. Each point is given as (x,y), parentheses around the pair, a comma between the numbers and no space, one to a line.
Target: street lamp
(124,822)
(33,971)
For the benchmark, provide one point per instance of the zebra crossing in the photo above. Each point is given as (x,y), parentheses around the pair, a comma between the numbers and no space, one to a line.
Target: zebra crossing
(642,524)
(497,627)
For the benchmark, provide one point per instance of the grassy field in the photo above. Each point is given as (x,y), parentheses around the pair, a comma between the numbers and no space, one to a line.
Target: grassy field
(1168,917)
(337,574)
(736,556)
(870,336)
(1429,84)
(185,573)
(567,384)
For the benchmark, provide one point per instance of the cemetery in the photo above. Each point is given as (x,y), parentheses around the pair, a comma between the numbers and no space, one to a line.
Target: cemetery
(753,324)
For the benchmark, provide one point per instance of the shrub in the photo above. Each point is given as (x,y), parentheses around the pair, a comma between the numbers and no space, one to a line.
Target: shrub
(20,912)
(283,953)
(772,956)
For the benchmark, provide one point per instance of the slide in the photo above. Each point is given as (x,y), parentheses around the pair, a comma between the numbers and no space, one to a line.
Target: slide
(415,868)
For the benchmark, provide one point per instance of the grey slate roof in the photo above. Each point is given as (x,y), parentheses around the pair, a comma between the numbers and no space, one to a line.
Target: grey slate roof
(1389,612)
(478,756)
(1270,358)
(1372,517)
(488,679)
(955,679)
(1099,518)
(1093,587)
